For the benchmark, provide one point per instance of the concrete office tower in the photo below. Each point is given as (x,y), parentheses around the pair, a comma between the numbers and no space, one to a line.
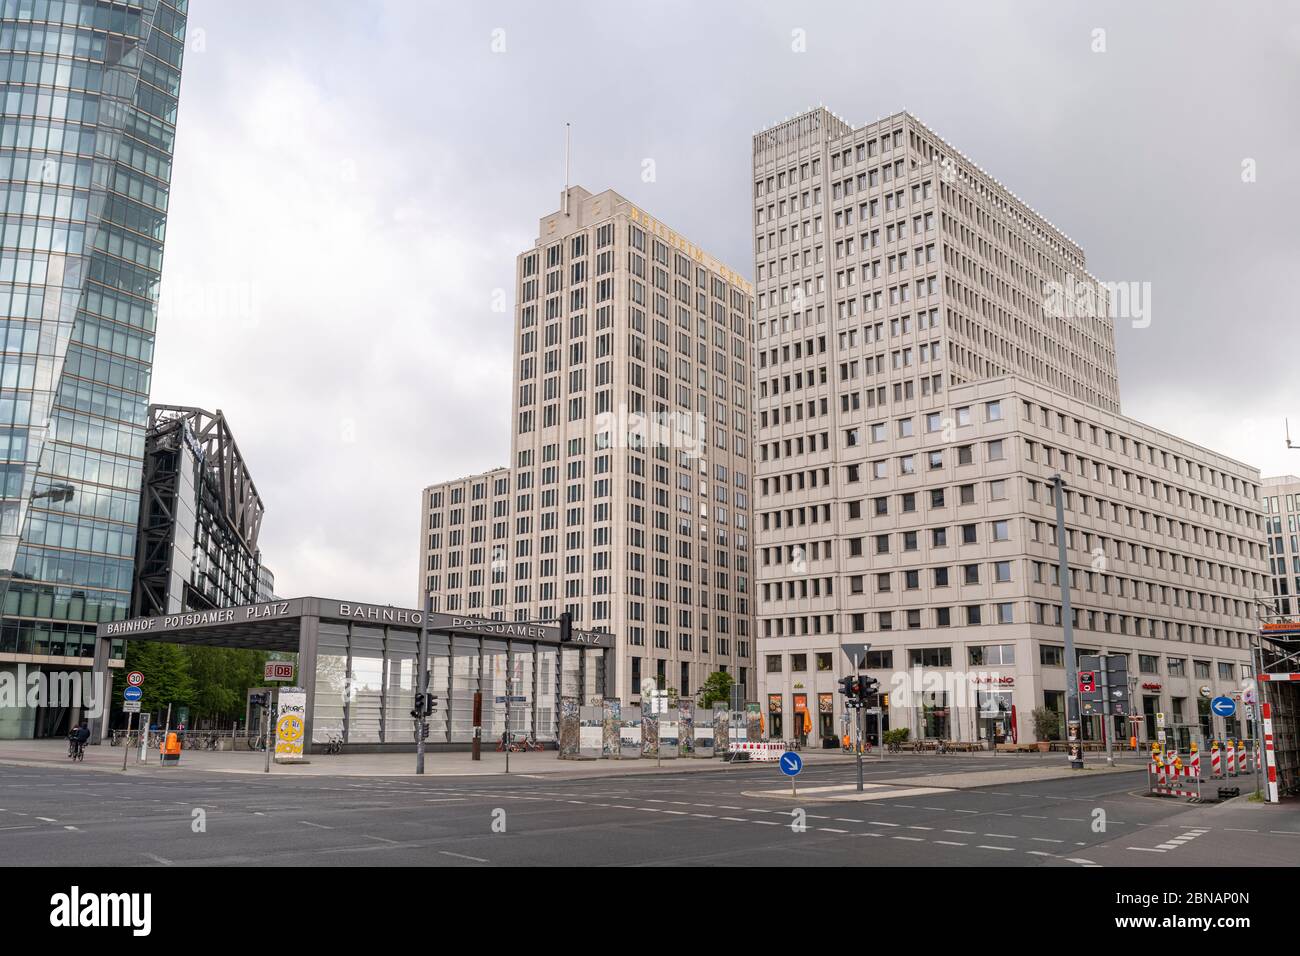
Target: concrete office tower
(1281,516)
(86,141)
(627,498)
(925,362)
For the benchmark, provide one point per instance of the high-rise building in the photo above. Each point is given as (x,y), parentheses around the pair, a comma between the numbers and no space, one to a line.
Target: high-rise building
(86,139)
(930,352)
(627,499)
(200,515)
(1282,526)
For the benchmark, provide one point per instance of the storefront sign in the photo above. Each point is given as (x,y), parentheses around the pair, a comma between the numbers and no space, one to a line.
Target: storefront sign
(277,670)
(1151,685)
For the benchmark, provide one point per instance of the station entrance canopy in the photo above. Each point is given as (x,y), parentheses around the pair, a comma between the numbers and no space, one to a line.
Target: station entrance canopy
(357,664)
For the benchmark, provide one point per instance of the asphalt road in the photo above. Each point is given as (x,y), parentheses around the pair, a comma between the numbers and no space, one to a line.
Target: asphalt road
(739,816)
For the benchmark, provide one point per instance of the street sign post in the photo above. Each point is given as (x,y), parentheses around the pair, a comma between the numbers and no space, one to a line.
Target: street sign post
(134,679)
(791,763)
(132,695)
(1223,706)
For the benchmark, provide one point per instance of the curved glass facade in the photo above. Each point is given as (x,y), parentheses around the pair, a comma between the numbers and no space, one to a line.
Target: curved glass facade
(88,98)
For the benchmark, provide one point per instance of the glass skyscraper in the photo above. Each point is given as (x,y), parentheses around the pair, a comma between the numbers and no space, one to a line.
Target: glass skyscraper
(88,98)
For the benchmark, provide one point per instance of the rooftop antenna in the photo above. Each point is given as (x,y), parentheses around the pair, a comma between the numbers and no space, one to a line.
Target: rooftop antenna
(566,169)
(1289,443)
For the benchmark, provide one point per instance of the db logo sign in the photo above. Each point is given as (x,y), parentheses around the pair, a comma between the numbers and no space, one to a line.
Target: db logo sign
(278,670)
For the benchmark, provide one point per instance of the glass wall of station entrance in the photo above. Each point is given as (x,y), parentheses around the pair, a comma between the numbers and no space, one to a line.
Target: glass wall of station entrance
(357,664)
(366,678)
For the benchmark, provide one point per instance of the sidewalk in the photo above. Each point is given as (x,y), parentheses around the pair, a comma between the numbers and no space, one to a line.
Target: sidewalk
(54,753)
(949,771)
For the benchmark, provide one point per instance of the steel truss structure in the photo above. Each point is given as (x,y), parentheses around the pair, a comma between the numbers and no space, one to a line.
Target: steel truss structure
(223,557)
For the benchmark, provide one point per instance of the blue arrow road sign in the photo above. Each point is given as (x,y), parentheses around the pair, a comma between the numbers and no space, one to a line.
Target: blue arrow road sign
(132,693)
(791,763)
(1223,706)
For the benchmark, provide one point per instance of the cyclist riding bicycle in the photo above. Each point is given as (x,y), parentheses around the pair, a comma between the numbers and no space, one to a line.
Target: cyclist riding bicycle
(78,740)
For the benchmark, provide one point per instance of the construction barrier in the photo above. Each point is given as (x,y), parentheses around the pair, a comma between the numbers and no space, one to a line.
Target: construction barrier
(1168,776)
(755,750)
(1270,752)
(1216,761)
(1232,758)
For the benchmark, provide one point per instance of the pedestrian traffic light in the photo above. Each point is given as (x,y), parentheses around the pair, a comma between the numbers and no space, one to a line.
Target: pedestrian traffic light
(566,627)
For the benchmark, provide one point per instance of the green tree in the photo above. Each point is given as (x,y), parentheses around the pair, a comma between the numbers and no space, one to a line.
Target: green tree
(716,689)
(221,677)
(166,675)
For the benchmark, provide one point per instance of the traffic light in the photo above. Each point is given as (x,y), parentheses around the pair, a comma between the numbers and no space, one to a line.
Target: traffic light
(868,688)
(566,627)
(430,704)
(846,686)
(418,710)
(884,701)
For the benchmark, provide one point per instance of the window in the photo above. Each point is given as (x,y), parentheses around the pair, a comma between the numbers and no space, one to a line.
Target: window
(991,654)
(1002,571)
(1201,668)
(798,662)
(824,661)
(1005,613)
(1177,666)
(1051,656)
(880,660)
(774,663)
(993,411)
(930,656)
(1001,531)
(1225,671)
(1148,664)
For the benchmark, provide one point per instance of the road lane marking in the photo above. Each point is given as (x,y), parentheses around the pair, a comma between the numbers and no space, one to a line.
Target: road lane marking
(320,826)
(463,856)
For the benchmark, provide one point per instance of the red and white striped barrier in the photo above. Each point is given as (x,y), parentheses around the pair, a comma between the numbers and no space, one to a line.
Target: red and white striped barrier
(1216,761)
(1165,770)
(1232,758)
(756,749)
(1270,760)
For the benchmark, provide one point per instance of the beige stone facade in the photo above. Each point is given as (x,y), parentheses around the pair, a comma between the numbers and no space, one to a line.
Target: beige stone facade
(918,383)
(627,497)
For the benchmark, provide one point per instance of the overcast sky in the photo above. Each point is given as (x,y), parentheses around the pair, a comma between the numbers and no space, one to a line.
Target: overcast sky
(354,179)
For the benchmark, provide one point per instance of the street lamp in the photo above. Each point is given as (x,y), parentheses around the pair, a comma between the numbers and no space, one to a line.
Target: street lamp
(1071,664)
